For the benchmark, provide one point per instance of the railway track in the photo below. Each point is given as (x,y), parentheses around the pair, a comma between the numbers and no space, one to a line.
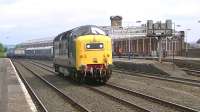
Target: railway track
(41,63)
(193,72)
(124,102)
(152,99)
(133,93)
(60,94)
(154,76)
(121,101)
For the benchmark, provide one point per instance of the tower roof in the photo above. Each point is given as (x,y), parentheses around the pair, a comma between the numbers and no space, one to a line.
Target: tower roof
(198,41)
(116,17)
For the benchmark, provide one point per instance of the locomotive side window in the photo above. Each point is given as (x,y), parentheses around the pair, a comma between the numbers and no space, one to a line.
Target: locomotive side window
(94,46)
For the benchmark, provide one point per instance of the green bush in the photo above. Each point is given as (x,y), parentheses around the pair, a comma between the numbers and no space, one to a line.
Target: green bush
(2,51)
(2,55)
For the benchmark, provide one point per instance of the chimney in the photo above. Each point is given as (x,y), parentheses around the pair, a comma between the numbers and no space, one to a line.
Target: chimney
(116,21)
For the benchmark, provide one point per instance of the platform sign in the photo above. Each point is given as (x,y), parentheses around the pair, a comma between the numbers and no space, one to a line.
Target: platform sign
(159,29)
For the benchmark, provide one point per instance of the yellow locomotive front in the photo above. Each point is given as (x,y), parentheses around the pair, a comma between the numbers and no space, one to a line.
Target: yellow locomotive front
(94,57)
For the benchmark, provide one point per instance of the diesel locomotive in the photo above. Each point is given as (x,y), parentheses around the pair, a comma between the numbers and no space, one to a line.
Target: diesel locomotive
(83,53)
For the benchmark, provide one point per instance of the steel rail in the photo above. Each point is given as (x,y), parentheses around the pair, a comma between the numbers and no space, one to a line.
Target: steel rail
(31,92)
(119,100)
(151,98)
(190,82)
(124,102)
(71,101)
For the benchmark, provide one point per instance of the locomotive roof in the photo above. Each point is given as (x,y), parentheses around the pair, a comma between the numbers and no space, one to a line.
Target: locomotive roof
(81,30)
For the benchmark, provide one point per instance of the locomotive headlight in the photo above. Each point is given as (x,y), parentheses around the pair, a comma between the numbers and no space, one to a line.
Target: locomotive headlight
(88,46)
(101,46)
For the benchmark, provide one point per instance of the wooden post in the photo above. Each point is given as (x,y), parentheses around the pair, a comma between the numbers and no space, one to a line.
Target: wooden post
(150,45)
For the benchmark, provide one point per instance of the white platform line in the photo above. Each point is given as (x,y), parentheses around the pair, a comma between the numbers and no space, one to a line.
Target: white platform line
(27,96)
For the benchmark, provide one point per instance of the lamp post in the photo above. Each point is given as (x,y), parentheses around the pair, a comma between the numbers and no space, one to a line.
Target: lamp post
(186,47)
(173,44)
(172,40)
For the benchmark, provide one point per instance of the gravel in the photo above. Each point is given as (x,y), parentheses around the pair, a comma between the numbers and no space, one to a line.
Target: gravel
(174,92)
(149,105)
(91,100)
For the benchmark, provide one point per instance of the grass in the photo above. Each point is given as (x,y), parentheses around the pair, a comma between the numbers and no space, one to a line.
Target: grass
(2,55)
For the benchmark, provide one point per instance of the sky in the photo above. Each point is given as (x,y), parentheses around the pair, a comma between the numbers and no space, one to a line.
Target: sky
(22,20)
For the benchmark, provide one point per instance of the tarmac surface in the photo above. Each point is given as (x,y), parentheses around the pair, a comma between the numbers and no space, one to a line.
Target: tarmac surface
(185,58)
(13,96)
(166,67)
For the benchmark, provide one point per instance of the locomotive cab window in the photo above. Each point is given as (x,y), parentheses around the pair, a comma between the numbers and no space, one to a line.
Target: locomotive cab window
(94,46)
(88,30)
(97,31)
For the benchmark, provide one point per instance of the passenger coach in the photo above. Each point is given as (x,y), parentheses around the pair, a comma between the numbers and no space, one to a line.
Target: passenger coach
(83,53)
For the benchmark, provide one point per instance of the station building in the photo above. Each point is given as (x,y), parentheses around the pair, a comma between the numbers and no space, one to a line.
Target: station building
(134,40)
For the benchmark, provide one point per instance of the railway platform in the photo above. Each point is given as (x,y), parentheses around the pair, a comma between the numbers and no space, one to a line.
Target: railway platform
(144,65)
(13,95)
(185,58)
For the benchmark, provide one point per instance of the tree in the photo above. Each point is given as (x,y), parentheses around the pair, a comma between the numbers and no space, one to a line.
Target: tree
(1,47)
(198,42)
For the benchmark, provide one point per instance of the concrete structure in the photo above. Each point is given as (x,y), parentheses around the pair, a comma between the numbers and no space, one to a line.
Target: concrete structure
(154,67)
(13,95)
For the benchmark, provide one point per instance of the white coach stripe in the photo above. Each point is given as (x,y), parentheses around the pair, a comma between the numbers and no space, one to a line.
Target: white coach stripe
(27,96)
